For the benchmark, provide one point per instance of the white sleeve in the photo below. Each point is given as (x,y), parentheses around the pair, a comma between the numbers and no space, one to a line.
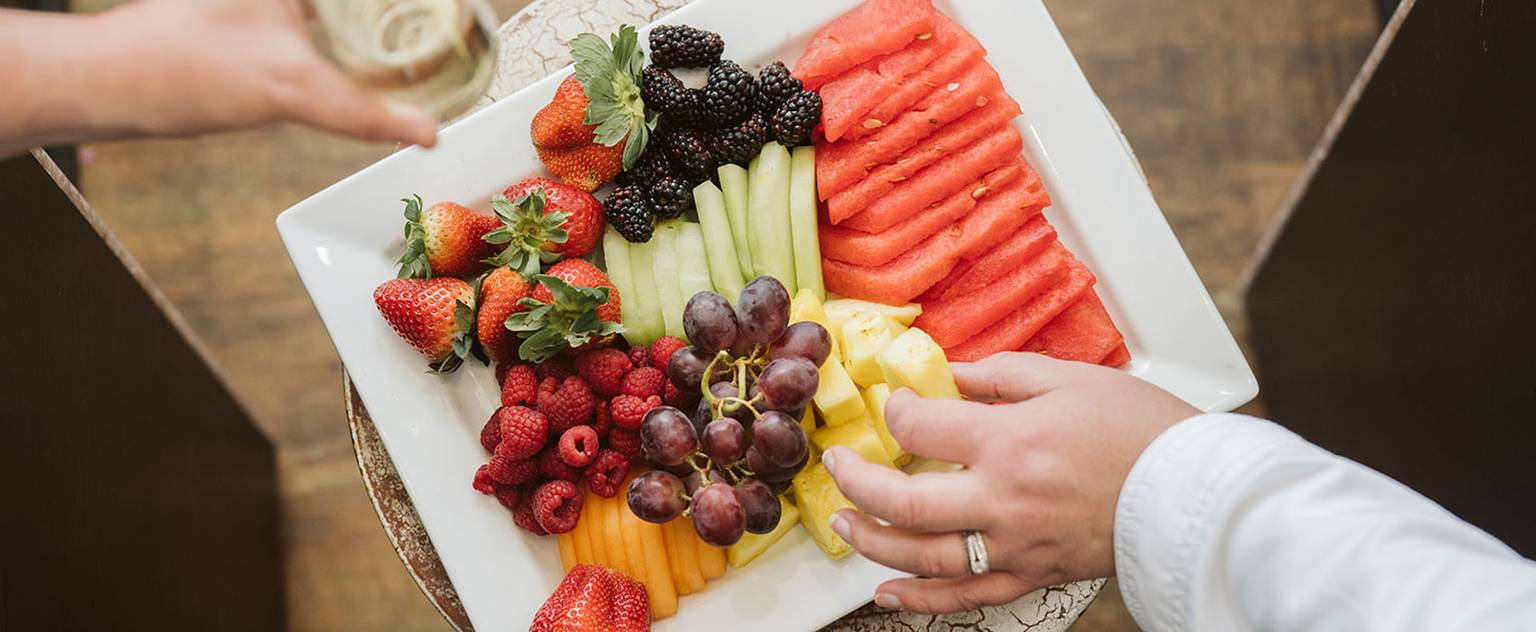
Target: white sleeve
(1230,523)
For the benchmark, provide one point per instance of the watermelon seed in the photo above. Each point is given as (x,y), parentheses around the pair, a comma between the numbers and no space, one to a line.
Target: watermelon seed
(953,87)
(897,179)
(924,37)
(976,195)
(873,123)
(980,101)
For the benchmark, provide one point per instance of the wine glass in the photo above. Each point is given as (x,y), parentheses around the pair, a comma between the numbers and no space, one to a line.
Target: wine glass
(435,54)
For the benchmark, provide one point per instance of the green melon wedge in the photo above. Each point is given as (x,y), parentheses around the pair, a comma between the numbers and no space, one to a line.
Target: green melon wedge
(734,185)
(802,220)
(773,252)
(666,270)
(693,260)
(719,245)
(640,308)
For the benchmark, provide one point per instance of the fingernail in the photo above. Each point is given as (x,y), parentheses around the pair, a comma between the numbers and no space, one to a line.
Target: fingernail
(827,461)
(423,126)
(888,601)
(839,525)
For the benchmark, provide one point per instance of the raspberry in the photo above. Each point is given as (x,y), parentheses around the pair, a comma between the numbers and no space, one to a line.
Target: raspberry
(490,433)
(483,482)
(644,382)
(663,348)
(604,369)
(523,432)
(557,506)
(640,356)
(568,406)
(578,446)
(524,516)
(628,411)
(607,473)
(551,467)
(520,386)
(508,496)
(602,419)
(511,471)
(625,442)
(558,367)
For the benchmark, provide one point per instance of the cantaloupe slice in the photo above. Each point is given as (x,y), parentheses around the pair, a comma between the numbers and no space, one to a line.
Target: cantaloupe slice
(613,533)
(634,548)
(1014,330)
(658,572)
(674,557)
(596,529)
(581,537)
(567,543)
(688,554)
(711,560)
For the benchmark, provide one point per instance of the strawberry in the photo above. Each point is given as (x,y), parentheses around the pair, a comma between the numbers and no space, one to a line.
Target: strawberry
(584,213)
(629,608)
(574,304)
(435,315)
(580,603)
(444,240)
(596,124)
(500,293)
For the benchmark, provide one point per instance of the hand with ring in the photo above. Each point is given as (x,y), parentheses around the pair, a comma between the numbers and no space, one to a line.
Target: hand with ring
(1045,446)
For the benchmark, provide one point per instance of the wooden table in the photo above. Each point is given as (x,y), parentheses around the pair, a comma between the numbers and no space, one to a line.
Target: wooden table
(533,45)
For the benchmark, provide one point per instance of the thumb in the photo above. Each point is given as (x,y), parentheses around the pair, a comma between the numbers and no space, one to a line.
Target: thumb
(1010,377)
(336,103)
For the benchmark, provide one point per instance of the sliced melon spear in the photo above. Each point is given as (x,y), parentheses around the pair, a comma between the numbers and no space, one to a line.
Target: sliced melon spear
(751,545)
(818,498)
(913,360)
(693,271)
(666,269)
(859,436)
(864,337)
(874,401)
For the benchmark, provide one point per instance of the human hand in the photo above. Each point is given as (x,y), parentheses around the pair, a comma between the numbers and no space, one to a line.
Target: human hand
(1045,445)
(177,67)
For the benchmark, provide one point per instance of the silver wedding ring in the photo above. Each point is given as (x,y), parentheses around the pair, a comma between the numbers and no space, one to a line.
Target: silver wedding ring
(976,553)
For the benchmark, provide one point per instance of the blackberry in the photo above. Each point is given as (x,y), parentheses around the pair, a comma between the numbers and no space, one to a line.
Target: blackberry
(629,212)
(666,93)
(690,155)
(739,145)
(671,197)
(794,120)
(652,166)
(674,46)
(729,94)
(774,86)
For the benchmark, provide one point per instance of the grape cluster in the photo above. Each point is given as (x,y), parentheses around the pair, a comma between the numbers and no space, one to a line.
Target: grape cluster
(724,465)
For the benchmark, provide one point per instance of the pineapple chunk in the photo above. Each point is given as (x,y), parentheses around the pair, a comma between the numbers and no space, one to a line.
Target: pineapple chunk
(913,360)
(874,400)
(806,306)
(840,310)
(752,545)
(837,399)
(808,421)
(859,436)
(818,498)
(864,337)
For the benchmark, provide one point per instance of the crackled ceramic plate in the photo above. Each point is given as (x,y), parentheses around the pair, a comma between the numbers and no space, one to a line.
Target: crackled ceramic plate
(345,239)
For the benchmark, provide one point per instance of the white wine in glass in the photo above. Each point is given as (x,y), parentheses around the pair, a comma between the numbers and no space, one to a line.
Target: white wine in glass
(435,54)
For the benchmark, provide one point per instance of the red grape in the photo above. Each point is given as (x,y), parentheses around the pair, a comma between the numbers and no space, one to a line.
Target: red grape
(710,322)
(760,505)
(687,366)
(656,496)
(767,471)
(718,515)
(762,310)
(695,480)
(788,383)
(667,436)
(725,441)
(780,438)
(804,339)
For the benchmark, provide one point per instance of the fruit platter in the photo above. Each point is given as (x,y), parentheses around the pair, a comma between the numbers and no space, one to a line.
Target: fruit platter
(632,303)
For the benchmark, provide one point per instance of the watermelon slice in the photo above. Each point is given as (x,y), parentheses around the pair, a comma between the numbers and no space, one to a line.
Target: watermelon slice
(853,94)
(939,180)
(970,276)
(872,29)
(1082,333)
(898,281)
(965,55)
(873,249)
(953,321)
(961,133)
(1001,215)
(1014,330)
(1120,357)
(847,161)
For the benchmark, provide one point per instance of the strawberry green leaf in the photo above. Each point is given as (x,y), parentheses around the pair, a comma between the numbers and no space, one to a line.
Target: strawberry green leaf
(529,232)
(569,320)
(464,343)
(413,263)
(609,74)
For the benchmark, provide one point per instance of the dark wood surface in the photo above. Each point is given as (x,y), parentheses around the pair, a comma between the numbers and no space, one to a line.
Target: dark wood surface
(139,495)
(1392,321)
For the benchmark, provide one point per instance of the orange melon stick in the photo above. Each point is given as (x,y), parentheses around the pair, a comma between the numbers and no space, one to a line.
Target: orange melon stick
(873,249)
(688,554)
(567,542)
(969,276)
(901,280)
(848,160)
(994,151)
(966,53)
(1120,357)
(658,572)
(1013,331)
(953,321)
(674,561)
(711,560)
(1082,333)
(874,28)
(582,536)
(596,530)
(634,552)
(996,219)
(850,95)
(618,557)
(962,133)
